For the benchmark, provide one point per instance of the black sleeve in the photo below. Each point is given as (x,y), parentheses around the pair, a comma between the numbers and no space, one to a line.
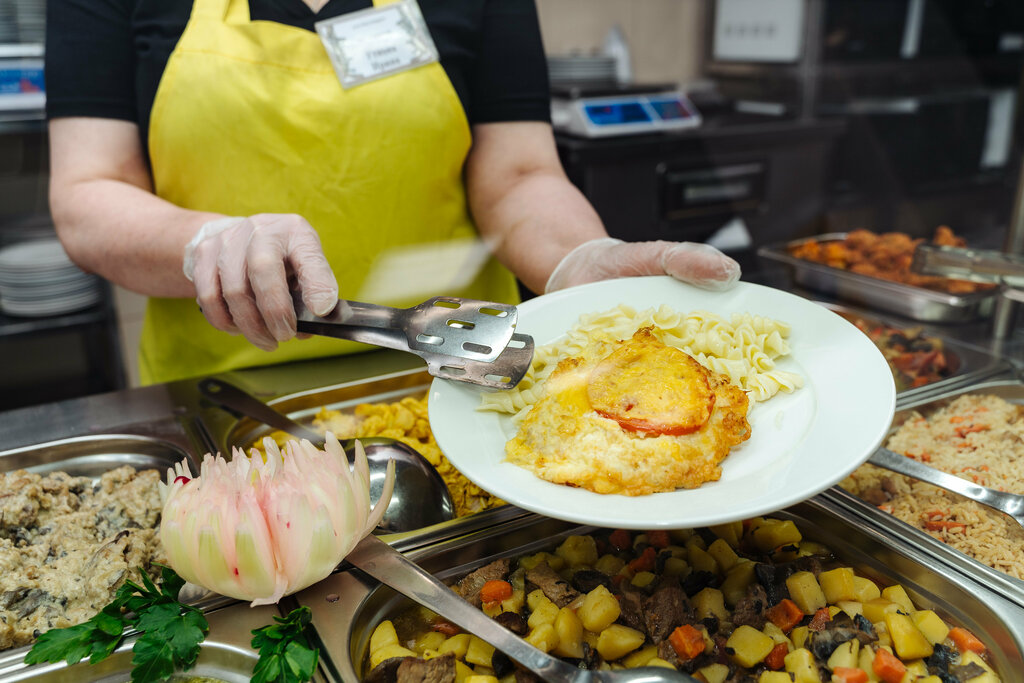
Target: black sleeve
(511,78)
(90,60)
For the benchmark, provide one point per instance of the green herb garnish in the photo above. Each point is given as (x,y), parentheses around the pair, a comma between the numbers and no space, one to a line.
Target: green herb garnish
(171,631)
(286,655)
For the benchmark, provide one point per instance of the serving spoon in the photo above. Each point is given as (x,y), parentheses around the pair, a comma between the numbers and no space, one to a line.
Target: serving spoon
(1010,504)
(391,568)
(420,497)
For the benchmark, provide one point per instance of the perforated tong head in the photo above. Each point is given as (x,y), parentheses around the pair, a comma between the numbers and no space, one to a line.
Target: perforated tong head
(466,340)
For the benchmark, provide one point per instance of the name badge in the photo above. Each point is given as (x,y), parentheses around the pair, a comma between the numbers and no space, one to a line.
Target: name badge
(376,42)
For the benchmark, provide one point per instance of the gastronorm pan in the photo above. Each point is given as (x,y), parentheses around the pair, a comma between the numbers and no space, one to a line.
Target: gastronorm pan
(347,606)
(994,580)
(227,431)
(225,655)
(912,302)
(972,364)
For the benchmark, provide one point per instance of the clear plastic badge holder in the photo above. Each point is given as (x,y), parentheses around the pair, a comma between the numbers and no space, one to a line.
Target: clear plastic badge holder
(377,42)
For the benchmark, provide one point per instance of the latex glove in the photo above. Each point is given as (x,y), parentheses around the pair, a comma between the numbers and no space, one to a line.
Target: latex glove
(602,259)
(241,269)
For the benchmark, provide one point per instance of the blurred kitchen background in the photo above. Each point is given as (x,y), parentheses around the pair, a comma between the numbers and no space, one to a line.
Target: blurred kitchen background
(797,118)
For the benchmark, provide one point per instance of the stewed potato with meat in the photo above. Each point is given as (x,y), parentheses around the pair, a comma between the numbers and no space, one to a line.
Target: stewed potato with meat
(747,601)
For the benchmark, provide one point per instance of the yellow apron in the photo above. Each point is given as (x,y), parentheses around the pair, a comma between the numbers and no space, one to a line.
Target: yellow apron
(250,118)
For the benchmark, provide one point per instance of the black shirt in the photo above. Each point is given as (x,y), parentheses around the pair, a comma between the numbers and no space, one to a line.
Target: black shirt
(104,58)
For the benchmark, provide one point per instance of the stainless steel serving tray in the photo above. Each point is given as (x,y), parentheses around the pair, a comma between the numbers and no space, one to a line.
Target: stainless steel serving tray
(912,302)
(347,606)
(859,509)
(226,654)
(227,431)
(975,365)
(92,455)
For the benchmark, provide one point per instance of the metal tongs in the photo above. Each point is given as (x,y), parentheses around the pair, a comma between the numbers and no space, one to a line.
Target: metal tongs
(460,339)
(976,265)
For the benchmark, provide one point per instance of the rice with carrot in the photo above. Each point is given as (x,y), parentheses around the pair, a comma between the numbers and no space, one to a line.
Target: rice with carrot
(979,438)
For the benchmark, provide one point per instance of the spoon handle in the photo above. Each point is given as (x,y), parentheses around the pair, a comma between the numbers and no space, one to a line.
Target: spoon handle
(227,395)
(388,566)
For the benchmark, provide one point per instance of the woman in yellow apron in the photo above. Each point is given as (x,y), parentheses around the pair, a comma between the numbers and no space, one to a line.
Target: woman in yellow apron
(265,173)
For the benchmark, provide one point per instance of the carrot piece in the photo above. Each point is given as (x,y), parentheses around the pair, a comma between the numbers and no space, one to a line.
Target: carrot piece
(820,618)
(934,525)
(776,659)
(965,640)
(621,539)
(495,590)
(646,561)
(658,538)
(957,419)
(785,615)
(887,667)
(964,431)
(687,641)
(845,674)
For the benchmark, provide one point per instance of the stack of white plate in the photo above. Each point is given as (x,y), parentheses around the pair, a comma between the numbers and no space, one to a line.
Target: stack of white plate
(579,68)
(38,279)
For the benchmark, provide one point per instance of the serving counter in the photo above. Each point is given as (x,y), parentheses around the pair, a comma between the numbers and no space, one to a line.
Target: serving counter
(146,426)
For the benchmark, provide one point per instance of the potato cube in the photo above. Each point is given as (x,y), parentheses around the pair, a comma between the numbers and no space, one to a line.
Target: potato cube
(641,657)
(896,593)
(748,645)
(618,641)
(695,541)
(845,655)
(578,550)
(971,657)
(737,580)
(675,566)
(544,637)
(383,636)
(774,677)
(599,610)
(658,661)
(800,663)
(457,644)
(775,633)
(477,678)
(641,579)
(851,607)
(462,672)
(908,642)
(837,584)
(882,631)
(479,652)
(570,634)
(865,589)
(536,597)
(805,592)
(701,561)
(714,673)
(710,602)
(799,636)
(875,610)
(723,553)
(680,535)
(609,564)
(730,532)
(431,640)
(387,652)
(917,668)
(545,613)
(774,533)
(931,625)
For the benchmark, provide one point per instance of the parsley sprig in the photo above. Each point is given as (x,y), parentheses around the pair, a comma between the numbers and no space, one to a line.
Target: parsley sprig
(171,631)
(286,654)
(171,635)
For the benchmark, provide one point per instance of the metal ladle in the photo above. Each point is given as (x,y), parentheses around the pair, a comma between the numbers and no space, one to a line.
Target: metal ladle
(420,498)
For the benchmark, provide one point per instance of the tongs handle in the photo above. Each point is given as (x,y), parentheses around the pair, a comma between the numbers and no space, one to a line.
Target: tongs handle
(355,321)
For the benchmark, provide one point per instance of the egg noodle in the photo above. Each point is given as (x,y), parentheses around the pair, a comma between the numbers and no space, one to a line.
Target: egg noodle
(744,348)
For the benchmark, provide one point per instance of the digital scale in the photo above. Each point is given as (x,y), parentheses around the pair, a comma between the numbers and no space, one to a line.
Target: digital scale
(589,110)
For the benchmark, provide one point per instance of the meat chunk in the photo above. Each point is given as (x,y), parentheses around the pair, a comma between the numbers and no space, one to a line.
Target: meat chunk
(470,585)
(750,609)
(514,622)
(631,610)
(554,586)
(437,670)
(664,610)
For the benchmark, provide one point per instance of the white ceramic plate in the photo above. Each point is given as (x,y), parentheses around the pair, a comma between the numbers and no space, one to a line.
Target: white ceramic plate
(801,443)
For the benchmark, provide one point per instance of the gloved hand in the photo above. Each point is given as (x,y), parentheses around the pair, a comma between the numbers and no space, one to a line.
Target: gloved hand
(698,264)
(241,269)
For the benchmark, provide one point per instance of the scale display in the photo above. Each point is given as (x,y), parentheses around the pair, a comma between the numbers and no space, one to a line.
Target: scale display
(624,115)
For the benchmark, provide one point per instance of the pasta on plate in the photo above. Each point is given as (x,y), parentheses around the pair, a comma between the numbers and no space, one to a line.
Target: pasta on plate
(744,348)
